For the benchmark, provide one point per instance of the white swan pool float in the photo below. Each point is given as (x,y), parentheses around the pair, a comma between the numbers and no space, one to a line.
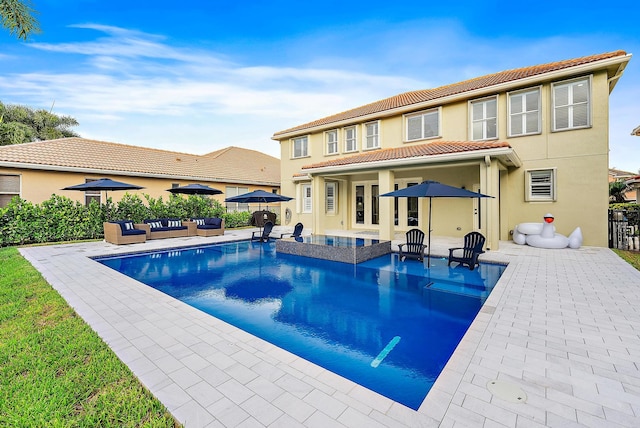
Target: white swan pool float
(543,235)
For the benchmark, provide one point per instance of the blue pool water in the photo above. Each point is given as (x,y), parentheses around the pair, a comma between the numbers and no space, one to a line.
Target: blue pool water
(388,325)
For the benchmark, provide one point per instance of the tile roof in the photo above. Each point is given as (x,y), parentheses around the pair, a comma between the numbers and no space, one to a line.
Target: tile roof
(636,131)
(413,151)
(419,96)
(232,164)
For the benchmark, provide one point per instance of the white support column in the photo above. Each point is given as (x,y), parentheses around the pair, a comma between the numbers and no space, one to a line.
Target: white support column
(385,185)
(318,209)
(490,185)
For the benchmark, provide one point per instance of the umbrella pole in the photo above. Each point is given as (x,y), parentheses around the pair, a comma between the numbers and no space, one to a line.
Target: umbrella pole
(429,239)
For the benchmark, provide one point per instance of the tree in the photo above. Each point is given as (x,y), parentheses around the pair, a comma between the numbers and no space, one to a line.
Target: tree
(616,191)
(21,124)
(17,17)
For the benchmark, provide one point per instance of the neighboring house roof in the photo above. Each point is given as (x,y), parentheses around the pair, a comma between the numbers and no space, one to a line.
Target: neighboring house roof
(636,132)
(232,164)
(618,173)
(430,95)
(419,151)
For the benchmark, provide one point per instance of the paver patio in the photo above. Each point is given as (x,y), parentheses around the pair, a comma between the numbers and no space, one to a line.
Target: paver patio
(561,326)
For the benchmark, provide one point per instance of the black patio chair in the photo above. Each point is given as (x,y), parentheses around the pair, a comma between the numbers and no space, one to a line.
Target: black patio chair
(297,231)
(471,249)
(414,246)
(264,235)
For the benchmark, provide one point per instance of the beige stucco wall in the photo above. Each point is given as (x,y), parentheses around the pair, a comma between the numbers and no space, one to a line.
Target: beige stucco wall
(38,185)
(580,157)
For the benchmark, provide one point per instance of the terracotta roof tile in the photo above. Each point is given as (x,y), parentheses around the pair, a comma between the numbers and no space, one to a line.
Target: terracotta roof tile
(406,152)
(232,164)
(415,97)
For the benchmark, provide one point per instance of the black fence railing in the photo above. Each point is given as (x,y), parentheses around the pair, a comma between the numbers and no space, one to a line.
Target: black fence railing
(624,228)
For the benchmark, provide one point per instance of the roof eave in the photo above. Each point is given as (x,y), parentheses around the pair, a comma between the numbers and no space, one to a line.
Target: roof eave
(21,165)
(501,87)
(505,154)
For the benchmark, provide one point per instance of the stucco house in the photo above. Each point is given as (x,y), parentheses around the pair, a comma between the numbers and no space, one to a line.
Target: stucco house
(535,138)
(35,171)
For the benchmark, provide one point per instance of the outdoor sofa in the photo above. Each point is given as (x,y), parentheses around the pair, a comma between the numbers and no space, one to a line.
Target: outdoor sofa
(123,232)
(209,226)
(167,228)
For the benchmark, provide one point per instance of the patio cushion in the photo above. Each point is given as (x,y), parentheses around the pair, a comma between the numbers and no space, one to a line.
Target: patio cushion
(174,223)
(199,221)
(214,221)
(133,232)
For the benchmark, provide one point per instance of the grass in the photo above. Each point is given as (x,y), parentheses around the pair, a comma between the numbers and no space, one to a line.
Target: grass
(631,257)
(56,371)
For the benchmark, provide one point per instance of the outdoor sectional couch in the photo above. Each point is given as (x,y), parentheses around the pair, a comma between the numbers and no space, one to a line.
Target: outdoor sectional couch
(123,232)
(167,228)
(209,226)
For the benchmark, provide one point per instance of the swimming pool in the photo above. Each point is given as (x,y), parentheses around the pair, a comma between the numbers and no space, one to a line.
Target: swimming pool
(384,324)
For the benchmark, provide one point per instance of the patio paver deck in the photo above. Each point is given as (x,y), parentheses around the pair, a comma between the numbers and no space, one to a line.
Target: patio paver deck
(562,326)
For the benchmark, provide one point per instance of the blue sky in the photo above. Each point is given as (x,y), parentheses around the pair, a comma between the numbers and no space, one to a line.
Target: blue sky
(200,76)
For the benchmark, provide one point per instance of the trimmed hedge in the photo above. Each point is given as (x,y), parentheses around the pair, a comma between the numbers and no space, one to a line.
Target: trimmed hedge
(62,219)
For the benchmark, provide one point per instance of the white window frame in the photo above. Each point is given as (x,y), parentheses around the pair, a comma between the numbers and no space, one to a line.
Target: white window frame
(571,105)
(522,115)
(331,197)
(7,186)
(422,116)
(306,198)
(537,190)
(353,140)
(331,142)
(235,191)
(485,121)
(303,150)
(371,140)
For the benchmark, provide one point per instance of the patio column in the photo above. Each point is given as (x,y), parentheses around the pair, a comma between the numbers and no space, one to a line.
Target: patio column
(490,185)
(385,183)
(318,196)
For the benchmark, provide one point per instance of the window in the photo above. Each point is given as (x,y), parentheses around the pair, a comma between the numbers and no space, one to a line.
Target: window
(330,197)
(541,185)
(92,195)
(235,191)
(483,119)
(372,135)
(307,204)
(359,205)
(571,105)
(9,187)
(301,147)
(375,205)
(524,113)
(350,142)
(423,125)
(331,137)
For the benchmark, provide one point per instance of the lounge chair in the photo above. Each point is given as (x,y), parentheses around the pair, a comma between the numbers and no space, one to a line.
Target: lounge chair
(264,236)
(297,231)
(414,246)
(123,232)
(471,249)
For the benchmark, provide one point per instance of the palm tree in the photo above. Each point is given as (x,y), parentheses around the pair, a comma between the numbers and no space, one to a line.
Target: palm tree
(17,17)
(617,190)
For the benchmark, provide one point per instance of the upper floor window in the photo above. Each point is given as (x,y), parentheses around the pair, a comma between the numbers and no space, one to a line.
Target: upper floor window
(301,147)
(373,135)
(541,185)
(9,187)
(423,125)
(524,112)
(331,138)
(350,139)
(484,125)
(571,104)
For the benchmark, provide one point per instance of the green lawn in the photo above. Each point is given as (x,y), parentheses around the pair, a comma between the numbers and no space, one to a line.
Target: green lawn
(54,370)
(632,257)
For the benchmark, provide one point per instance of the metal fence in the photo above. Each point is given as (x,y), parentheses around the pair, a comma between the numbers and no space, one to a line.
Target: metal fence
(624,228)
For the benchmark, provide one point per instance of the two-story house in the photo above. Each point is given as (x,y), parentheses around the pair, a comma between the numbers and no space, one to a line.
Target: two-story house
(534,138)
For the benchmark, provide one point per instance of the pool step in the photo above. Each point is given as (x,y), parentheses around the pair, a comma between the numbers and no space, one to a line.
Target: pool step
(457,288)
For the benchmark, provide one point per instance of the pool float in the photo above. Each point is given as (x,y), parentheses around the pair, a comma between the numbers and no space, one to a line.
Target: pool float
(543,235)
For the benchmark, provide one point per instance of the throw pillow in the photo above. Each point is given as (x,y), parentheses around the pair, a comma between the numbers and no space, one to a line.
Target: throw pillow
(200,221)
(128,225)
(175,223)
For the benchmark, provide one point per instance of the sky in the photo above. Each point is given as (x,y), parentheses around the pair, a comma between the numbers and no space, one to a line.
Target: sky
(200,76)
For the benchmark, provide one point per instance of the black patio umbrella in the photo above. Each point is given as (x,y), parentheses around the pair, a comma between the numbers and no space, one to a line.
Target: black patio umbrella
(433,189)
(259,196)
(195,189)
(103,184)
